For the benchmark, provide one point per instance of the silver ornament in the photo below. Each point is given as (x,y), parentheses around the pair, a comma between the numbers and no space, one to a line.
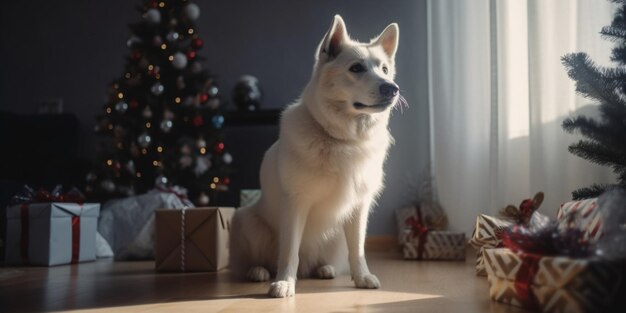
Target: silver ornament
(200,143)
(130,167)
(107,185)
(144,140)
(121,106)
(91,176)
(179,60)
(147,113)
(172,36)
(227,158)
(203,199)
(152,16)
(132,41)
(161,181)
(166,126)
(157,89)
(203,164)
(192,11)
(213,91)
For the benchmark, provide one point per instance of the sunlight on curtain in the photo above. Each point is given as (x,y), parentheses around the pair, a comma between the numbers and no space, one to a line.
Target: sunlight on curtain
(498,94)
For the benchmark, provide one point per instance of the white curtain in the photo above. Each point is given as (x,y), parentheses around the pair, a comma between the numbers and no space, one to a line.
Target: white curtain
(498,94)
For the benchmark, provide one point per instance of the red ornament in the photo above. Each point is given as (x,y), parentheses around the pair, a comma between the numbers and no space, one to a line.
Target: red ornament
(191,55)
(198,43)
(154,4)
(204,98)
(136,55)
(226,181)
(133,104)
(198,121)
(219,147)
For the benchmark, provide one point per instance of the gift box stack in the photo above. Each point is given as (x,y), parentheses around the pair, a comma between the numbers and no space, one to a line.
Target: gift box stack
(50,228)
(422,234)
(575,263)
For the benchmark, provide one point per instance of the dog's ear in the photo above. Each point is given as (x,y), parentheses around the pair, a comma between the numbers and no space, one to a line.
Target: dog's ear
(334,39)
(388,40)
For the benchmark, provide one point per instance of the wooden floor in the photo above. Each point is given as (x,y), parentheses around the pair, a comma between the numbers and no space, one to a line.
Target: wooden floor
(407,286)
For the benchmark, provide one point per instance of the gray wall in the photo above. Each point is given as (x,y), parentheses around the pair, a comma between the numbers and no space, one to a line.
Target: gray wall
(72,50)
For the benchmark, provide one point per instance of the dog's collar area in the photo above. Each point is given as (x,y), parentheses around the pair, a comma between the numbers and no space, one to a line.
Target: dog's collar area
(361,106)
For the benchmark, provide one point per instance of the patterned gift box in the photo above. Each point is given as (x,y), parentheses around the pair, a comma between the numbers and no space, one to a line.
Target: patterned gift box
(486,236)
(51,233)
(430,213)
(248,197)
(583,214)
(552,284)
(434,245)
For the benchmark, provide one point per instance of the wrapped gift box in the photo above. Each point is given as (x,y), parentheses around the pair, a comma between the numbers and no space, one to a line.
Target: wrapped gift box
(192,240)
(552,284)
(248,197)
(434,245)
(429,214)
(486,236)
(51,233)
(583,214)
(128,224)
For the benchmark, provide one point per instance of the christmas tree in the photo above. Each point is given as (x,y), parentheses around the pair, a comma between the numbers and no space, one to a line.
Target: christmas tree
(161,125)
(605,138)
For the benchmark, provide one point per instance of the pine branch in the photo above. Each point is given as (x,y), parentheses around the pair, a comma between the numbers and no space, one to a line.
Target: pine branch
(613,33)
(609,134)
(593,191)
(599,154)
(589,80)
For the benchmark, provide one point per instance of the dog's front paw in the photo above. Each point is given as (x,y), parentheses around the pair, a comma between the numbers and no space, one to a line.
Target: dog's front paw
(258,273)
(326,272)
(282,288)
(369,281)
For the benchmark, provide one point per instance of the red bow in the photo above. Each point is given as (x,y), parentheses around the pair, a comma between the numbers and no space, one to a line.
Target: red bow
(417,228)
(29,195)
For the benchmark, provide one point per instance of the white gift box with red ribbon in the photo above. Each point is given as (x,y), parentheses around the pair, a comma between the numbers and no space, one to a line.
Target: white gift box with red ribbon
(51,233)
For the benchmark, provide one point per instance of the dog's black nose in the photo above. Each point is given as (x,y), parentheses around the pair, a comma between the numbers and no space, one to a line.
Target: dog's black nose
(388,90)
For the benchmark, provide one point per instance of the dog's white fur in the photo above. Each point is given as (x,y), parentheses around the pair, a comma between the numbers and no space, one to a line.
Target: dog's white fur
(321,177)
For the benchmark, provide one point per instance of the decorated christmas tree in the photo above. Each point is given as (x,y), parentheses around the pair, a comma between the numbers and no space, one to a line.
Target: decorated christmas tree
(161,124)
(605,138)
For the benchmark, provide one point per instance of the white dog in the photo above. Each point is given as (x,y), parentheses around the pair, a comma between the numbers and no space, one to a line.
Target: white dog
(320,179)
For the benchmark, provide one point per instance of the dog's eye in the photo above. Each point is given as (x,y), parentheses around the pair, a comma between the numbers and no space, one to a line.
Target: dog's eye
(385,70)
(357,68)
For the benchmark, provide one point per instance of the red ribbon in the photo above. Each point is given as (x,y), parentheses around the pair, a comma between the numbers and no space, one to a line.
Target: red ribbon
(418,230)
(25,231)
(75,238)
(524,279)
(24,238)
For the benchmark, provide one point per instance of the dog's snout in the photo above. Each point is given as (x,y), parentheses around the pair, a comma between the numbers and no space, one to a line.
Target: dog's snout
(388,90)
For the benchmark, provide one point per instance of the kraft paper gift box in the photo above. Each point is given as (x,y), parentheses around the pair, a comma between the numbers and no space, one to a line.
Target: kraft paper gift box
(434,245)
(192,240)
(51,233)
(553,283)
